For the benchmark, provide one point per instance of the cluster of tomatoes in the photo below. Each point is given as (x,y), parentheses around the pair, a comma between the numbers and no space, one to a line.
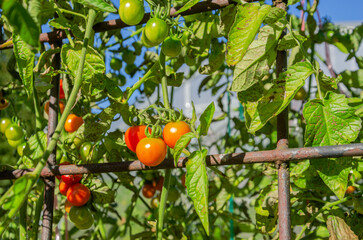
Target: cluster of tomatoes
(14,134)
(151,151)
(156,30)
(77,196)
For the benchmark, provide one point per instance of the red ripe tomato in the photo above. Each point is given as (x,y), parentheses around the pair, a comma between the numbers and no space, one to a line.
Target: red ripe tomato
(63,163)
(151,151)
(61,91)
(73,122)
(173,131)
(148,190)
(63,187)
(159,184)
(78,194)
(133,135)
(61,107)
(72,179)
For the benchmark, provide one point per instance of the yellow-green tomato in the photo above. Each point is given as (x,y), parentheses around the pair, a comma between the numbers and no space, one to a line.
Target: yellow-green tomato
(131,11)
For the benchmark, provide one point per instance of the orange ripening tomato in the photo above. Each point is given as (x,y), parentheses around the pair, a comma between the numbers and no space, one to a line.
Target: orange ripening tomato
(133,135)
(151,151)
(73,122)
(78,194)
(61,91)
(3,103)
(173,131)
(63,187)
(350,190)
(61,107)
(67,206)
(148,190)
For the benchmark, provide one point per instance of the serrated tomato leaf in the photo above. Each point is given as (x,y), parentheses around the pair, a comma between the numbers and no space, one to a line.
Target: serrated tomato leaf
(197,185)
(21,21)
(93,65)
(331,121)
(182,142)
(247,22)
(188,5)
(338,229)
(206,119)
(34,149)
(25,60)
(260,108)
(98,5)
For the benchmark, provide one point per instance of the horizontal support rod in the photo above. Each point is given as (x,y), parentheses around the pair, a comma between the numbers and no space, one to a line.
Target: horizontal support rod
(291,154)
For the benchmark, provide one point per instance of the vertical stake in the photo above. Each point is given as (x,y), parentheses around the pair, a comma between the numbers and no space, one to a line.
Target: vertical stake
(52,124)
(283,143)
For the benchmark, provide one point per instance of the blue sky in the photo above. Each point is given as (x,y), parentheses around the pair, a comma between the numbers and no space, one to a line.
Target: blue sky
(339,10)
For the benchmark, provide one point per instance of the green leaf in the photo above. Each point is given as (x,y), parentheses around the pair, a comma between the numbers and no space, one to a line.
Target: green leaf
(216,58)
(197,185)
(182,142)
(226,19)
(25,60)
(274,15)
(93,65)
(244,29)
(60,23)
(206,119)
(353,79)
(34,150)
(188,5)
(113,89)
(260,108)
(338,229)
(288,41)
(45,58)
(267,209)
(328,83)
(261,54)
(292,2)
(21,21)
(98,5)
(101,193)
(331,122)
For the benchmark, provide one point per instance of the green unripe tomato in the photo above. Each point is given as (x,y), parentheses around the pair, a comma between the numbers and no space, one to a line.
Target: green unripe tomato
(173,194)
(156,30)
(4,124)
(129,57)
(171,46)
(81,217)
(130,69)
(131,11)
(78,142)
(15,143)
(138,47)
(121,80)
(13,132)
(301,94)
(145,41)
(149,176)
(116,64)
(155,202)
(86,150)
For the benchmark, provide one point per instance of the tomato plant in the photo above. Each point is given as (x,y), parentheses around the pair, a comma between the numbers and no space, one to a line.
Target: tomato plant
(61,90)
(151,151)
(133,135)
(148,190)
(115,64)
(173,131)
(73,122)
(350,190)
(78,194)
(87,151)
(131,11)
(63,187)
